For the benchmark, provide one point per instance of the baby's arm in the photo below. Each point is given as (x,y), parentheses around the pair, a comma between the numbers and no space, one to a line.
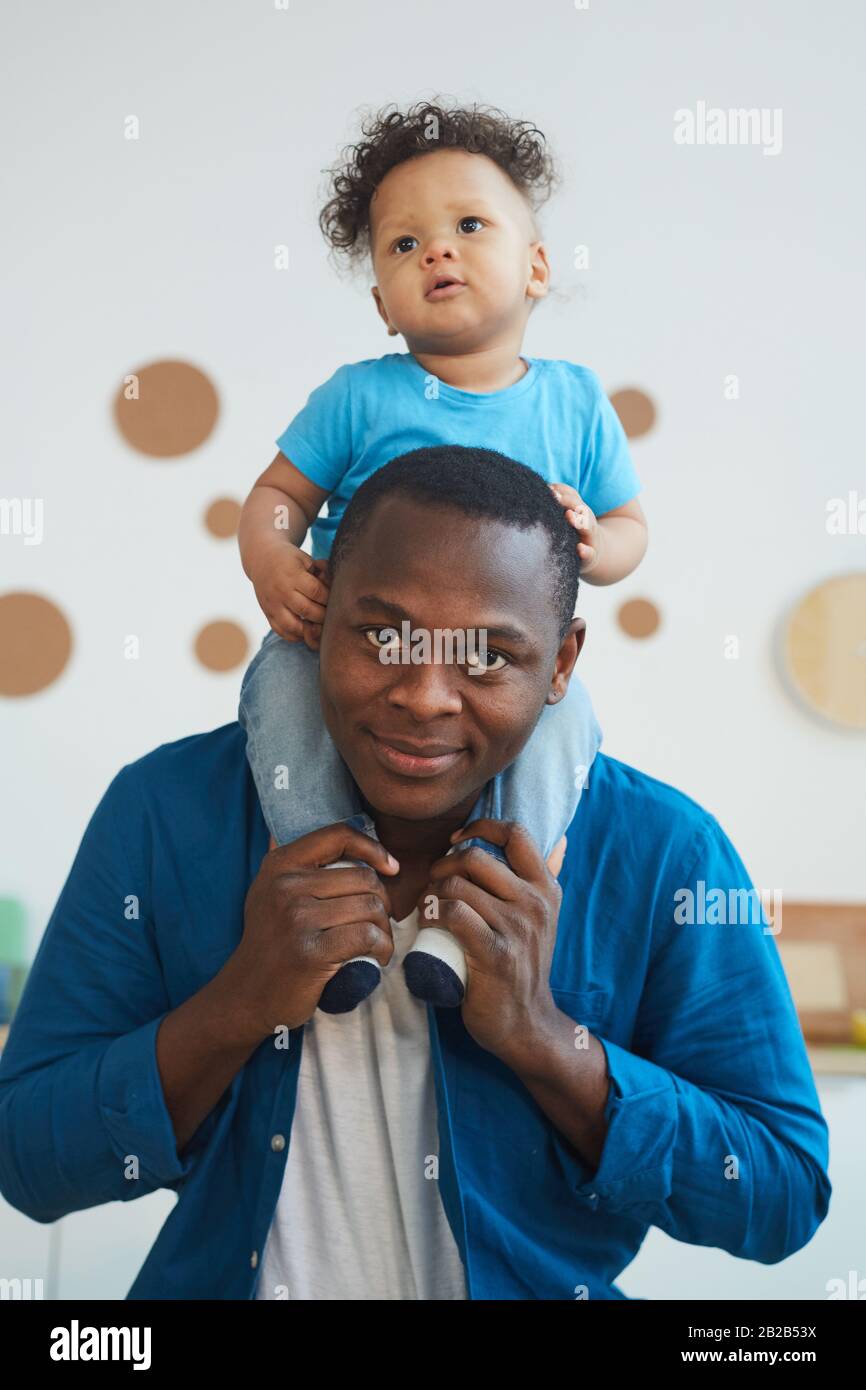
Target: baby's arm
(290,586)
(609,546)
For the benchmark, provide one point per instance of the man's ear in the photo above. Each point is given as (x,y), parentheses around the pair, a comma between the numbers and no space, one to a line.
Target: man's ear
(383,313)
(569,651)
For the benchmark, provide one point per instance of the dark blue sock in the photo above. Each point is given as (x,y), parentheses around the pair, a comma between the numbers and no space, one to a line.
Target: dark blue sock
(430,979)
(352,983)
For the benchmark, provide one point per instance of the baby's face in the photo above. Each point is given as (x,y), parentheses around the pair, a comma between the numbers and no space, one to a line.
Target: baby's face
(454,214)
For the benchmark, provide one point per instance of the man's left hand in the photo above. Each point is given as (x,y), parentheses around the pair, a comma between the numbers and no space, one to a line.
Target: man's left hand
(504,916)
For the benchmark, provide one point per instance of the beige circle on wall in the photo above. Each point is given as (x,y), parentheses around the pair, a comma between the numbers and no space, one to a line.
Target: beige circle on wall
(221,645)
(636,411)
(222,517)
(639,618)
(825,650)
(35,642)
(166,409)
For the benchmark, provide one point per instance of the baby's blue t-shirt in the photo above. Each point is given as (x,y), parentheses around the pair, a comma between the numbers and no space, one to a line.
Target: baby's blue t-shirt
(556,419)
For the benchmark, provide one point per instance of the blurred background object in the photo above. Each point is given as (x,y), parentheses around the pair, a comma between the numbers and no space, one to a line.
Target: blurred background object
(13,959)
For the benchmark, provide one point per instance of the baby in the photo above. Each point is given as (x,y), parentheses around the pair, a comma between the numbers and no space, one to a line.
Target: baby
(443,200)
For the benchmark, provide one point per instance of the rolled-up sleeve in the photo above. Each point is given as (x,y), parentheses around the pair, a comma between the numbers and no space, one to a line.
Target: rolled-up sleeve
(83,1119)
(714,1128)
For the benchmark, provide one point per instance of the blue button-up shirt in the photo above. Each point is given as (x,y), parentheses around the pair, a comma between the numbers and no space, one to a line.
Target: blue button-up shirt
(715,1132)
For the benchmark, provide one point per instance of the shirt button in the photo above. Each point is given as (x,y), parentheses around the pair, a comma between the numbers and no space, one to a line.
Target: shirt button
(278,1142)
(254,1259)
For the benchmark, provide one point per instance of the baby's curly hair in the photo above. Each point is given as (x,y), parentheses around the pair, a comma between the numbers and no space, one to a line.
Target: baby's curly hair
(393,136)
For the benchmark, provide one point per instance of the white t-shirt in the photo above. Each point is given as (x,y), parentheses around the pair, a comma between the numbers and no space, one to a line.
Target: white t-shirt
(358,1217)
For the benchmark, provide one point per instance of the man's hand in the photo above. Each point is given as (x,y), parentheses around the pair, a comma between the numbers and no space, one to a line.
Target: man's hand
(590,536)
(302,921)
(292,590)
(504,917)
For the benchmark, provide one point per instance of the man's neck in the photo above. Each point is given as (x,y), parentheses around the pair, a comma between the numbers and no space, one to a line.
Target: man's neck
(416,845)
(412,839)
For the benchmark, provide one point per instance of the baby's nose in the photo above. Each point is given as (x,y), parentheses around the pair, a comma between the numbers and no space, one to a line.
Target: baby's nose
(438,250)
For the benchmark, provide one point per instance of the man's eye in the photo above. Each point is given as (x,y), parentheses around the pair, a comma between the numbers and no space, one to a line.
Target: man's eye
(469,219)
(477,666)
(403,239)
(382,637)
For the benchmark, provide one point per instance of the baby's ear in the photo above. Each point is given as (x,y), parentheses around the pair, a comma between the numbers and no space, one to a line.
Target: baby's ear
(377,299)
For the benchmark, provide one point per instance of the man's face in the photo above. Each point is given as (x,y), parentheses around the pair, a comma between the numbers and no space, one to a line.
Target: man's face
(454,214)
(421,739)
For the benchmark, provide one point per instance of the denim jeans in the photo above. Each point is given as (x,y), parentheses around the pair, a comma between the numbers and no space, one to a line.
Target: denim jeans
(303,782)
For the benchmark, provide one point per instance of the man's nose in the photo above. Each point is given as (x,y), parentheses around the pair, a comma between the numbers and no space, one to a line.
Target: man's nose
(427,690)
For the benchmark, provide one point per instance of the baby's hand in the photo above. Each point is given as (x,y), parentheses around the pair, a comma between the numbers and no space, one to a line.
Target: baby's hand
(585,523)
(292,589)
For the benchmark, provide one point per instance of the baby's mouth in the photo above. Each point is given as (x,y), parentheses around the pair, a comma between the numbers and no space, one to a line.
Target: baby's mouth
(445,288)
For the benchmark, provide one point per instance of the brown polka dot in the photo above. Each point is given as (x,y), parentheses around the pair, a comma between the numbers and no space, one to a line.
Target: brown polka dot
(825,650)
(222,517)
(35,642)
(639,618)
(221,646)
(635,409)
(174,412)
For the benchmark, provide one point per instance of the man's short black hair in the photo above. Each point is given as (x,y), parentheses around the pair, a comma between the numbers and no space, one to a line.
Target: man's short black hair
(479,483)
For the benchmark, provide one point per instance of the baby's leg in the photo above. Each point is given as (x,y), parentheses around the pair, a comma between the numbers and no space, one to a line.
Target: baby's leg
(540,790)
(542,787)
(300,777)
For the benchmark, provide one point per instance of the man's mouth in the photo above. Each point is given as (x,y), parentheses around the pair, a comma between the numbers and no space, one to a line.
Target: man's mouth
(445,287)
(411,759)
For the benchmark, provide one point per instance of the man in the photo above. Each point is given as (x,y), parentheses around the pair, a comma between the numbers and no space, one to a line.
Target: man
(609,1068)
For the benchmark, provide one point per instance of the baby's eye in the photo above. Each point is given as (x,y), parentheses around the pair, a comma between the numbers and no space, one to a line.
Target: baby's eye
(382,637)
(468,219)
(477,666)
(399,243)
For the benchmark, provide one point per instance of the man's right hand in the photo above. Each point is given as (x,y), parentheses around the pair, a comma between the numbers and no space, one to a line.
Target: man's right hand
(302,921)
